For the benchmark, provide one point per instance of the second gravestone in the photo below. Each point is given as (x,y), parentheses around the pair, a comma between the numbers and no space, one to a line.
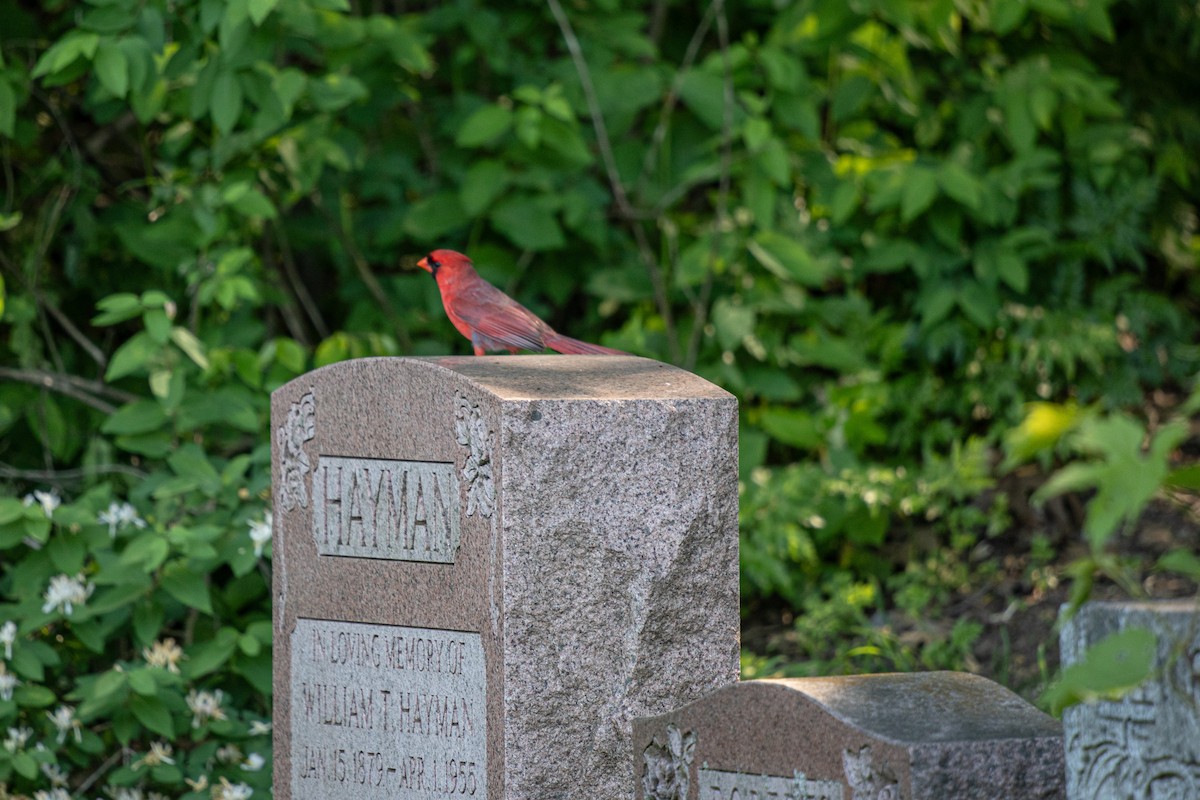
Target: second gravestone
(487,567)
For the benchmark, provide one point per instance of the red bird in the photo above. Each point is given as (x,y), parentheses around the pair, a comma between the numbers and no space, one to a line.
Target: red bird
(491,319)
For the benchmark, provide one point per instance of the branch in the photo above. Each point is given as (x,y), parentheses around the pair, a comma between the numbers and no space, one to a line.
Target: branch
(701,304)
(56,476)
(689,57)
(367,276)
(593,102)
(63,384)
(108,764)
(620,196)
(299,290)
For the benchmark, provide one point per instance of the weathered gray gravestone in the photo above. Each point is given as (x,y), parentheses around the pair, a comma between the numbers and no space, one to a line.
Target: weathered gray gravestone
(921,736)
(486,567)
(1147,744)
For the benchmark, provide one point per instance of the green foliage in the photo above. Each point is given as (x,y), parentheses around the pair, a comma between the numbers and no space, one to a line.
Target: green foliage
(885,226)
(1108,670)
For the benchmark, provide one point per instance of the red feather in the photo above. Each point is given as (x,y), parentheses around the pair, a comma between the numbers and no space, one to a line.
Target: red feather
(491,319)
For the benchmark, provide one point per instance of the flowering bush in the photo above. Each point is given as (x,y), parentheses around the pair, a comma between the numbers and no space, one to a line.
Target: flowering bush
(135,639)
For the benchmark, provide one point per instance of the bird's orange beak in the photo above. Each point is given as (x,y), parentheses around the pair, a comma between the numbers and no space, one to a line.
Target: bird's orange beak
(424,264)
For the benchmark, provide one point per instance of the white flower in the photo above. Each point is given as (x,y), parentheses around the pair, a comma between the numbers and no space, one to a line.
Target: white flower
(198,784)
(164,654)
(53,794)
(47,500)
(205,706)
(127,793)
(66,592)
(260,727)
(55,774)
(8,635)
(120,516)
(260,533)
(8,682)
(231,791)
(253,763)
(160,753)
(229,753)
(64,719)
(17,739)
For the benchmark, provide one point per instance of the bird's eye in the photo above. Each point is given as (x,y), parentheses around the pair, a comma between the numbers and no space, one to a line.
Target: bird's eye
(433,262)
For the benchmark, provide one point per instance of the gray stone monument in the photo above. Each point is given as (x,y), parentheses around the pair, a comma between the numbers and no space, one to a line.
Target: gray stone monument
(485,568)
(921,736)
(1147,744)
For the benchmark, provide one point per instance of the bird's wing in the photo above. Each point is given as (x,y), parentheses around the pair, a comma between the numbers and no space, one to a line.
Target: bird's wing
(499,318)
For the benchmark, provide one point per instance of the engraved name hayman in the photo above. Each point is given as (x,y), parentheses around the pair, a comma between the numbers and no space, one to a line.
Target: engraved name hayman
(377,508)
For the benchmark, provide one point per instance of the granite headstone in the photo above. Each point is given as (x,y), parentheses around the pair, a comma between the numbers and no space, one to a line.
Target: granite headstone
(922,736)
(1147,743)
(485,568)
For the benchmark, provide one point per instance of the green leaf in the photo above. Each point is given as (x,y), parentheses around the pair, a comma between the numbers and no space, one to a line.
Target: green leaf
(1008,14)
(152,713)
(733,322)
(484,126)
(704,93)
(793,427)
(485,180)
(186,341)
(920,190)
(960,184)
(207,657)
(1187,478)
(148,619)
(117,308)
(190,461)
(845,200)
(187,587)
(65,51)
(431,219)
(787,258)
(8,120)
(225,104)
(1108,670)
(33,696)
(259,9)
(333,92)
(112,68)
(131,357)
(527,223)
(142,682)
(147,550)
(1185,562)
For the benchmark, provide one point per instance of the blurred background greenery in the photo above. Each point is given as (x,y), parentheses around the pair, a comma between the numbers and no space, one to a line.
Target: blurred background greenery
(943,251)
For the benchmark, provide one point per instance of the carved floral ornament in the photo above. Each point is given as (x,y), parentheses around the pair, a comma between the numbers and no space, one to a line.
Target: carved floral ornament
(867,780)
(668,765)
(472,432)
(298,428)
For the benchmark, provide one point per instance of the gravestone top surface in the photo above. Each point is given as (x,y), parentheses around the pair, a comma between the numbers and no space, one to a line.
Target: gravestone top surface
(565,377)
(921,707)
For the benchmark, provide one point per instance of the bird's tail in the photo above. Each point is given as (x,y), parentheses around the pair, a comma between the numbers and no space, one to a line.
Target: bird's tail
(574,347)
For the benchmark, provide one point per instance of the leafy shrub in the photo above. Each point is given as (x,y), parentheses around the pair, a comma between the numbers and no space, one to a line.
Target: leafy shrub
(884,225)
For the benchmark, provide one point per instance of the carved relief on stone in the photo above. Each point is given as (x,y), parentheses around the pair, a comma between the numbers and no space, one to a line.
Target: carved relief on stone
(867,781)
(1147,744)
(298,428)
(668,765)
(472,432)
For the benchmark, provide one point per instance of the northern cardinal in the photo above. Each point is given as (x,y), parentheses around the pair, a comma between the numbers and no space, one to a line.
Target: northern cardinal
(491,319)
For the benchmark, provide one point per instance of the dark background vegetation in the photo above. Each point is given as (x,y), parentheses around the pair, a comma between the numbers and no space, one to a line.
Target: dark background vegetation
(943,251)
